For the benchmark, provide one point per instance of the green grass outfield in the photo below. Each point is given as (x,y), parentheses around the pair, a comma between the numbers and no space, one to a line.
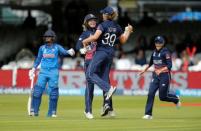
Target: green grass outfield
(129,110)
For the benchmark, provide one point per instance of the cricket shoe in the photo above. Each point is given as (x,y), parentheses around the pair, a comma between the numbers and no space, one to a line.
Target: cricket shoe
(178,105)
(147,117)
(110,92)
(54,115)
(31,113)
(106,109)
(89,115)
(111,114)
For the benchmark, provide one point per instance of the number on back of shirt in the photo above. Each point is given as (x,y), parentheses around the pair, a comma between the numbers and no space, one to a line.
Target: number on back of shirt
(109,39)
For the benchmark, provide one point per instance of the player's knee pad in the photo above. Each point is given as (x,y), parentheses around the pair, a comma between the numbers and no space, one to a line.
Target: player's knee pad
(54,93)
(38,91)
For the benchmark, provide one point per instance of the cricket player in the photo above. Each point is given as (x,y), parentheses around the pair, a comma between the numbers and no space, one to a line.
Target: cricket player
(89,28)
(161,59)
(48,56)
(106,34)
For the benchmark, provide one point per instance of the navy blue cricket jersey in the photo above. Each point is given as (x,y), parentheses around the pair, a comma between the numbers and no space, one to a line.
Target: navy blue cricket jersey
(79,45)
(111,31)
(161,58)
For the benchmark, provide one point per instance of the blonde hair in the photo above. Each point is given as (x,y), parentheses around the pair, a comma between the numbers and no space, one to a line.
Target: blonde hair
(85,25)
(111,16)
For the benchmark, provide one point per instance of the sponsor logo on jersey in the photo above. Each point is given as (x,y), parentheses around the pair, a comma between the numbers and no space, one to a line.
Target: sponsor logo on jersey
(157,62)
(48,55)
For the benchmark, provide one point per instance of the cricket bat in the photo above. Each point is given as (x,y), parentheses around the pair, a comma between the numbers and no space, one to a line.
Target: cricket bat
(30,98)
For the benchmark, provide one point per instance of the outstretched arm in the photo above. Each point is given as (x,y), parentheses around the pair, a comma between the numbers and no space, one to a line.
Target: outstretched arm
(147,67)
(63,51)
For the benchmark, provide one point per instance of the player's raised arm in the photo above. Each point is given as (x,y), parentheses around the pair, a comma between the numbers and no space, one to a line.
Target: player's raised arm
(124,37)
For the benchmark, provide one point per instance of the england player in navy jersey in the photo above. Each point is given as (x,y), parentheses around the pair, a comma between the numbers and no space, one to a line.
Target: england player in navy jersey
(89,28)
(161,59)
(106,34)
(48,56)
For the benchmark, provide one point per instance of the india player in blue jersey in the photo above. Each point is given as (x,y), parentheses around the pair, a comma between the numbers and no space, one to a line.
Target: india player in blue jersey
(89,25)
(48,56)
(161,59)
(106,34)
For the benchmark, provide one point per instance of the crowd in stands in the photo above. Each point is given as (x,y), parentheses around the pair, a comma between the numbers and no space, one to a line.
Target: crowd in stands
(182,38)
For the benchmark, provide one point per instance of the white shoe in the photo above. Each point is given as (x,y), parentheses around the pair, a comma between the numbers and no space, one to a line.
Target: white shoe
(111,114)
(31,113)
(110,92)
(89,115)
(178,105)
(54,115)
(147,117)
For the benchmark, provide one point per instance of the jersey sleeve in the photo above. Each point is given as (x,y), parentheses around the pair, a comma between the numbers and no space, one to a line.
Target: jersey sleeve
(39,57)
(100,27)
(151,60)
(62,51)
(79,44)
(167,57)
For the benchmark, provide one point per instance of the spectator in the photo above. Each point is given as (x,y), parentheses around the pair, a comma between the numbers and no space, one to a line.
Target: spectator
(140,58)
(29,22)
(123,63)
(147,21)
(123,21)
(176,62)
(78,65)
(141,42)
(185,61)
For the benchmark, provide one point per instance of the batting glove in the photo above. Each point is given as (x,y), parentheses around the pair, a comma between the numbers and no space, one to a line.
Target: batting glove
(71,52)
(32,73)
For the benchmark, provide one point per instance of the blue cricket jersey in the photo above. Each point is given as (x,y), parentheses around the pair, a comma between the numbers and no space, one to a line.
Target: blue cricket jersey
(79,45)
(161,58)
(48,55)
(111,31)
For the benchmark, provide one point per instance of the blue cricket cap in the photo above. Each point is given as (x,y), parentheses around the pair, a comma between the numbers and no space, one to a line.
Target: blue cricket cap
(49,33)
(107,10)
(89,17)
(159,39)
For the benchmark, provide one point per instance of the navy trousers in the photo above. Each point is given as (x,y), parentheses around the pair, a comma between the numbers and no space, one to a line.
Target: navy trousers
(100,60)
(162,83)
(103,73)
